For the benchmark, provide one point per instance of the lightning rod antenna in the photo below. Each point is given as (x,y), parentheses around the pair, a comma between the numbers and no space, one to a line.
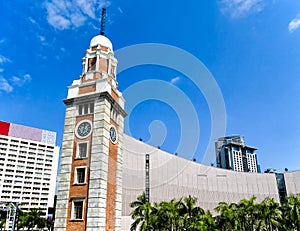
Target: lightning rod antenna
(102,27)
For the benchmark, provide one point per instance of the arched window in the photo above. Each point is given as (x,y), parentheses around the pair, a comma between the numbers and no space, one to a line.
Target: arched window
(92,64)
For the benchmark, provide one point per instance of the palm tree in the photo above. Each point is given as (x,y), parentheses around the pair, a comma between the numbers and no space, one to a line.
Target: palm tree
(228,218)
(34,218)
(22,220)
(142,214)
(203,222)
(2,219)
(245,216)
(291,212)
(270,217)
(247,212)
(190,213)
(41,223)
(31,219)
(170,213)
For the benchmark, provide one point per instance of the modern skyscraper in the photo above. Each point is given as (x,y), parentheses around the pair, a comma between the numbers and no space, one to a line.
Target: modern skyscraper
(28,166)
(90,183)
(232,153)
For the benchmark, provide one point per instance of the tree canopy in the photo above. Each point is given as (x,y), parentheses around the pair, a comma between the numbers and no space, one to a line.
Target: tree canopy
(30,220)
(246,215)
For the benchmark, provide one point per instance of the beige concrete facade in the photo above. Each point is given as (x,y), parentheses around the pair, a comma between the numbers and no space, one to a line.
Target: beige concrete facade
(292,182)
(174,177)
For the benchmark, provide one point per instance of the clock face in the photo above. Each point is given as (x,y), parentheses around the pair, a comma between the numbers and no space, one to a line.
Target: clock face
(113,134)
(83,129)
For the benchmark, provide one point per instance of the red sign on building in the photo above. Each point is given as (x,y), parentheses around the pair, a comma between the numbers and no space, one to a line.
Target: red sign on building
(4,128)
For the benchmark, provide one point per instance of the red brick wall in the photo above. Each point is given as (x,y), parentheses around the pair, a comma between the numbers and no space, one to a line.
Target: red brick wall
(87,89)
(114,95)
(79,190)
(104,48)
(103,64)
(111,185)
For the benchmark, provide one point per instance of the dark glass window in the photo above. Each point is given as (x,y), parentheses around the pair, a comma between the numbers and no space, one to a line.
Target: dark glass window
(78,210)
(80,107)
(86,108)
(82,150)
(80,175)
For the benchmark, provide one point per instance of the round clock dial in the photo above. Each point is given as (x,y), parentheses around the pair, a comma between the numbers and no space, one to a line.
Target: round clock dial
(83,129)
(113,134)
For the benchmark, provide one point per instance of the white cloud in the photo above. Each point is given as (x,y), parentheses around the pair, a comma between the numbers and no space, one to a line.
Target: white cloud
(294,24)
(42,38)
(20,81)
(5,86)
(68,14)
(175,80)
(27,78)
(104,3)
(237,8)
(3,59)
(120,10)
(32,20)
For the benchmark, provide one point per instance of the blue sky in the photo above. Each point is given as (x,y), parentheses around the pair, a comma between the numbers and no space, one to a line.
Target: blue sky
(251,48)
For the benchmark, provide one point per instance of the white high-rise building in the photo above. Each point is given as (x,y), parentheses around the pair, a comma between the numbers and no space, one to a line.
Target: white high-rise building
(232,153)
(28,166)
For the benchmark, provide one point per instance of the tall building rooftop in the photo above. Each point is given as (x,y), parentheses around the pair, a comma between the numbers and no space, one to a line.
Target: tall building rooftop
(28,166)
(28,133)
(232,153)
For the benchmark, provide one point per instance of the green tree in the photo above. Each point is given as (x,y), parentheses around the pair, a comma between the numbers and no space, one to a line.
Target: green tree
(270,216)
(142,214)
(247,214)
(190,213)
(35,219)
(291,212)
(169,212)
(228,218)
(31,219)
(203,222)
(2,219)
(22,220)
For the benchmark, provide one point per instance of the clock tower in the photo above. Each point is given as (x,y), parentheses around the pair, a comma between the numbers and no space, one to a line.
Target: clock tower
(90,181)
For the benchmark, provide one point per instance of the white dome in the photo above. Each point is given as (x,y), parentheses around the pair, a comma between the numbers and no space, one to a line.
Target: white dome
(101,40)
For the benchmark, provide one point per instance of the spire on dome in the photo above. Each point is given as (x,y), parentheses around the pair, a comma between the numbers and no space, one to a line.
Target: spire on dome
(102,25)
(101,39)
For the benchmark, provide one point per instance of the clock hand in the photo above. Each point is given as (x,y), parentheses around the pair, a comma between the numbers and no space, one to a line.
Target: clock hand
(86,128)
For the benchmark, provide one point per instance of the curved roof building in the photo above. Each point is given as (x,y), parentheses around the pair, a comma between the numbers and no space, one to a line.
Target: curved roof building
(171,177)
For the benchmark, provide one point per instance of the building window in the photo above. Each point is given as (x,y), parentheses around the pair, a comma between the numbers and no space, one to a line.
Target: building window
(92,64)
(82,150)
(114,114)
(86,108)
(113,70)
(80,175)
(77,209)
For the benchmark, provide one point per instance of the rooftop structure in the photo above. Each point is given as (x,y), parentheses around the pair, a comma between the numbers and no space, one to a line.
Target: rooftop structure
(28,166)
(232,153)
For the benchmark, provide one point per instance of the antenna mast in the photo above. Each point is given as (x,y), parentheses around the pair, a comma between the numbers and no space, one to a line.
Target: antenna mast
(102,26)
